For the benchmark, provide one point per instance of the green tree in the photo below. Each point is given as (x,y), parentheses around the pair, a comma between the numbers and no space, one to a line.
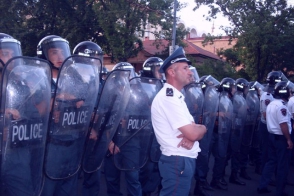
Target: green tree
(264,29)
(123,21)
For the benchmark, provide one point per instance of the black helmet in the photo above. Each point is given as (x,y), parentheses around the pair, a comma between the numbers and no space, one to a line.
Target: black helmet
(90,49)
(228,85)
(8,42)
(274,77)
(282,90)
(242,85)
(104,72)
(256,86)
(126,66)
(151,68)
(52,41)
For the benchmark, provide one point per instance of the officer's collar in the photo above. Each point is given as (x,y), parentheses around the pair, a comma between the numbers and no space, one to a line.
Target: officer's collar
(176,92)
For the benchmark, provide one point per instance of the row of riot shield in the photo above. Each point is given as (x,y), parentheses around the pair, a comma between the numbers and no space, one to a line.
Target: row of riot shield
(39,134)
(56,135)
(123,117)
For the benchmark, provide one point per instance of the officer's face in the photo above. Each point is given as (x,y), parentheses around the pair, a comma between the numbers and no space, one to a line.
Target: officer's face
(6,54)
(56,56)
(157,74)
(182,73)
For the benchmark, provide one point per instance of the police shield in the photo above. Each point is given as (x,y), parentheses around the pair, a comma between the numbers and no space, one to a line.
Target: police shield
(252,101)
(1,69)
(224,123)
(152,87)
(73,105)
(111,107)
(25,108)
(194,99)
(238,120)
(134,134)
(210,107)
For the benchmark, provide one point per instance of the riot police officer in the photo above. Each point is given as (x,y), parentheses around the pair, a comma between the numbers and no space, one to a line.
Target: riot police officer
(239,118)
(55,49)
(210,106)
(280,143)
(273,78)
(129,152)
(91,181)
(149,174)
(26,87)
(221,132)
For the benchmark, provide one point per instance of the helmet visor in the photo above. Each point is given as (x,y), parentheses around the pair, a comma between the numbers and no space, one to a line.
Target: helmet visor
(9,48)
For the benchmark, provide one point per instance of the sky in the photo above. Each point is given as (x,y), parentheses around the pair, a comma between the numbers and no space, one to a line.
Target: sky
(195,19)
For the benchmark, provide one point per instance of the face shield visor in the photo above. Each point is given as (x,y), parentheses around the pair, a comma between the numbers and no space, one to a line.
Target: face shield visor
(195,74)
(211,81)
(9,48)
(57,46)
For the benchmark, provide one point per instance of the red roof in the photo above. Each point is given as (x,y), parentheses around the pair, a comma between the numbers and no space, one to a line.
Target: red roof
(191,49)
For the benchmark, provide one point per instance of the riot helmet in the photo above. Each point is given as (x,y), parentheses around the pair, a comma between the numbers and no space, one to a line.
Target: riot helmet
(254,85)
(228,85)
(195,74)
(291,87)
(89,49)
(9,47)
(53,48)
(242,85)
(126,66)
(151,68)
(274,77)
(104,73)
(282,91)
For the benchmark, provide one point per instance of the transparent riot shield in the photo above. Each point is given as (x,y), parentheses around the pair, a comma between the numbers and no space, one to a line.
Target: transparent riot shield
(111,107)
(252,101)
(224,123)
(210,107)
(73,105)
(1,69)
(194,99)
(238,121)
(25,108)
(134,134)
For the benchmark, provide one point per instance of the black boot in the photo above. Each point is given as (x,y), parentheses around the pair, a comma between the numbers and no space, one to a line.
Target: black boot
(199,190)
(218,185)
(244,174)
(235,179)
(205,185)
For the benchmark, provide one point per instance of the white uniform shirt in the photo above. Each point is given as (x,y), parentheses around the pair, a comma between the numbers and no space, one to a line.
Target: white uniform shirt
(168,113)
(265,99)
(277,113)
(290,105)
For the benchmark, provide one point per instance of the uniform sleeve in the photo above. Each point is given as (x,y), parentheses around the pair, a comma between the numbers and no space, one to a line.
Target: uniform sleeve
(176,112)
(282,114)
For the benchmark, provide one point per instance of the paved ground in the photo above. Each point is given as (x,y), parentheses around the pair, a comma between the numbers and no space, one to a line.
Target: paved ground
(233,190)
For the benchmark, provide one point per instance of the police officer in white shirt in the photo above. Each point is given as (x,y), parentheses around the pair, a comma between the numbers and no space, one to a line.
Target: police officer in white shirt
(280,143)
(174,127)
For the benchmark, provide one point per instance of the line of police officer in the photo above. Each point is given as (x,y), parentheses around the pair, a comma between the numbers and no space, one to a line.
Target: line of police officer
(70,121)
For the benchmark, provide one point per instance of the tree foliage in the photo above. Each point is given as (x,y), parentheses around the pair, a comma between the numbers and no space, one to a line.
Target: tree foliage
(264,29)
(114,25)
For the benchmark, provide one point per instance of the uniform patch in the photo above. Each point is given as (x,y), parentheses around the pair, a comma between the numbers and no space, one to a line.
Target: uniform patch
(284,111)
(267,101)
(169,92)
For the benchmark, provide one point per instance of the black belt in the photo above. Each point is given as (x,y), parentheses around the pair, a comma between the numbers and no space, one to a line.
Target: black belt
(278,137)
